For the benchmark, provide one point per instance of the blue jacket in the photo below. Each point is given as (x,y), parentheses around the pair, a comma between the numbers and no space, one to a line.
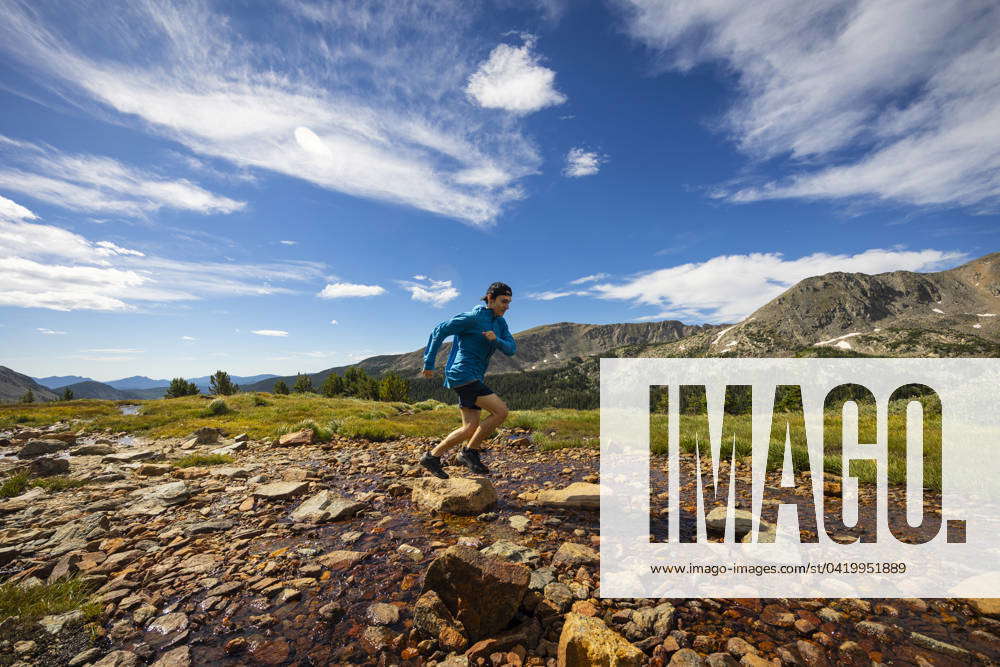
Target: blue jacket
(471,351)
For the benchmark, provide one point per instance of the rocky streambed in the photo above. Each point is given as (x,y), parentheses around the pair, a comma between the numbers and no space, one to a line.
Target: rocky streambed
(346,553)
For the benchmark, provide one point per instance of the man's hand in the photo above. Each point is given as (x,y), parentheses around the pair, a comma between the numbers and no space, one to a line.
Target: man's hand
(427,374)
(490,335)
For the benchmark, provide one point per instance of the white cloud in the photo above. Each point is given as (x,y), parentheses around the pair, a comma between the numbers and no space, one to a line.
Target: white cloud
(270,332)
(588,279)
(288,242)
(867,99)
(512,79)
(114,350)
(333,321)
(361,98)
(347,290)
(50,332)
(729,287)
(435,292)
(10,210)
(97,184)
(188,338)
(44,266)
(581,163)
(552,295)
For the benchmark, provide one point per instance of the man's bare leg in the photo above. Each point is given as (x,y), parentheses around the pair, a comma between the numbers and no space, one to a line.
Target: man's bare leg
(498,413)
(470,422)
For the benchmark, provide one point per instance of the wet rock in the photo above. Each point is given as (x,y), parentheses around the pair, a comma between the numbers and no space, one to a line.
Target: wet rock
(118,659)
(326,506)
(205,527)
(178,657)
(303,437)
(812,654)
(34,448)
(274,652)
(721,660)
(169,623)
(515,553)
(571,554)
(880,631)
(376,638)
(587,641)
(519,523)
(415,554)
(280,490)
(381,613)
(686,658)
(715,521)
(655,621)
(433,618)
(941,647)
(578,495)
(456,495)
(340,560)
(483,593)
(84,657)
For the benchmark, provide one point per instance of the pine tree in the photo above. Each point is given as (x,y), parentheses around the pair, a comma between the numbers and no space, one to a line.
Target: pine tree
(181,387)
(222,385)
(303,384)
(393,388)
(280,387)
(333,385)
(28,397)
(67,394)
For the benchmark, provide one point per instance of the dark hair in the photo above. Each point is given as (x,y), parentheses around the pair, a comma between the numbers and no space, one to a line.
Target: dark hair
(497,289)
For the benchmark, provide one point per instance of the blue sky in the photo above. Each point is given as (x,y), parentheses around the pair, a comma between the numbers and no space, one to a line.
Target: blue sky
(224,185)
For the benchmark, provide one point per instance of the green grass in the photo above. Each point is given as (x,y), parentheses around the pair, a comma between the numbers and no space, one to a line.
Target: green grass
(28,605)
(192,460)
(217,407)
(15,485)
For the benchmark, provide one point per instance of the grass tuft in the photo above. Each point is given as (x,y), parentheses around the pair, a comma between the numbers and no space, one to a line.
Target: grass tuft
(193,460)
(30,604)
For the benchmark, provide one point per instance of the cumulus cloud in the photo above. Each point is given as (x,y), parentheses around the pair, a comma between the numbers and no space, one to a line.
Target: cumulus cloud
(10,210)
(727,288)
(98,184)
(435,292)
(512,79)
(349,290)
(277,333)
(188,338)
(581,163)
(896,101)
(361,98)
(44,266)
(333,321)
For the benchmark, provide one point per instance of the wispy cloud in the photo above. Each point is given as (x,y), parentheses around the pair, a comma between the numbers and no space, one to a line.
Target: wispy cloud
(188,338)
(588,279)
(513,79)
(349,290)
(288,242)
(727,288)
(98,184)
(866,99)
(50,332)
(582,163)
(277,333)
(44,266)
(555,294)
(362,98)
(113,350)
(435,292)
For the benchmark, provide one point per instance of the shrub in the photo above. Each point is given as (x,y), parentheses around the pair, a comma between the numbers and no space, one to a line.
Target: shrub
(28,397)
(67,394)
(392,387)
(333,385)
(218,407)
(14,485)
(259,401)
(429,404)
(303,384)
(280,387)
(320,434)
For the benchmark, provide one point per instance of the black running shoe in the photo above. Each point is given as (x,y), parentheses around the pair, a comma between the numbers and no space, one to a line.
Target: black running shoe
(433,463)
(470,459)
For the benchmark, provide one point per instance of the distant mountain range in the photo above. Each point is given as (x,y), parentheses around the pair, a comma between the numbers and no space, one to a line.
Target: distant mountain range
(953,313)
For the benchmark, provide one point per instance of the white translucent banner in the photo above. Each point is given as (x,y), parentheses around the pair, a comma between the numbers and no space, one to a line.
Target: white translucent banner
(960,559)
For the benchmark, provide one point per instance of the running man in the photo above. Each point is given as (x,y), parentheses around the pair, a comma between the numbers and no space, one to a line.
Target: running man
(477,334)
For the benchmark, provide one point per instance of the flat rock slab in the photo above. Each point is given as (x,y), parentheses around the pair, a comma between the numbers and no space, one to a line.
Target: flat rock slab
(171,493)
(341,559)
(280,490)
(326,506)
(578,495)
(34,448)
(303,437)
(129,457)
(92,450)
(456,495)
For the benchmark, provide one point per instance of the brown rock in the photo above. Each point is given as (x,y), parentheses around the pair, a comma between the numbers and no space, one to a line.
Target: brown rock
(303,437)
(587,642)
(274,652)
(480,592)
(341,559)
(456,495)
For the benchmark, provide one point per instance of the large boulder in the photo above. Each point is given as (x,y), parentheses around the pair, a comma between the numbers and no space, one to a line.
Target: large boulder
(326,506)
(455,495)
(206,435)
(482,593)
(587,642)
(578,495)
(34,448)
(46,466)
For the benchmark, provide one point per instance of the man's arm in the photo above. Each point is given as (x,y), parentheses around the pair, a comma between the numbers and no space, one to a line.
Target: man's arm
(459,324)
(505,341)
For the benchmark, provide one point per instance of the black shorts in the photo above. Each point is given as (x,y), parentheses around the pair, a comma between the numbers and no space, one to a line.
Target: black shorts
(468,393)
